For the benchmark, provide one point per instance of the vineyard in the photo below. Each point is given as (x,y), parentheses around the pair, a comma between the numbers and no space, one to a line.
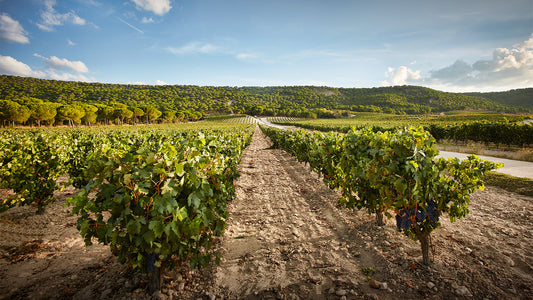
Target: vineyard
(167,200)
(390,171)
(490,129)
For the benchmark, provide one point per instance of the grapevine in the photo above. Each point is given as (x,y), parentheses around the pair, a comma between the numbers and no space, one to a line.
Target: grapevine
(398,171)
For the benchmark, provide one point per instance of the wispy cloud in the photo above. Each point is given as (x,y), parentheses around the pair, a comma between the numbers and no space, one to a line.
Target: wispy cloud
(158,7)
(70,43)
(508,68)
(138,82)
(92,3)
(131,26)
(11,30)
(51,18)
(146,20)
(68,76)
(63,64)
(332,55)
(193,48)
(246,56)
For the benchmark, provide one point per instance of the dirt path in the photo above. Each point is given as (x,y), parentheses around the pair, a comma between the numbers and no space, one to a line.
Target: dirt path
(286,239)
(510,167)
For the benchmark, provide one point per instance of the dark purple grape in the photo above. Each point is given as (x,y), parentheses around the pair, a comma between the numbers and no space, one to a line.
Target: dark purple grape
(431,211)
(403,220)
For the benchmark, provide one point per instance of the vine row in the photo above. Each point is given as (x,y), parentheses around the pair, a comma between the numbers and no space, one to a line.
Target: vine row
(390,174)
(156,197)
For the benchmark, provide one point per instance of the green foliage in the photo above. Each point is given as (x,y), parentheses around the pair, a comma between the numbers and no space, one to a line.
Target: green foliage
(518,98)
(368,272)
(71,113)
(522,186)
(12,112)
(390,171)
(192,102)
(42,111)
(486,128)
(158,198)
(30,163)
(156,194)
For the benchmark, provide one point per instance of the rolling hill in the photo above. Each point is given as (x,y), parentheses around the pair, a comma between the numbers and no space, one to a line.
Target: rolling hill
(286,100)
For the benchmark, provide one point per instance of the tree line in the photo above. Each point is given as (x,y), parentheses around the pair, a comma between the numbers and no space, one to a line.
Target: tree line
(187,102)
(36,112)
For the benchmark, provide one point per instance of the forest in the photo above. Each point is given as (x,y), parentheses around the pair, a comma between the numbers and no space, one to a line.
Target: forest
(32,101)
(518,97)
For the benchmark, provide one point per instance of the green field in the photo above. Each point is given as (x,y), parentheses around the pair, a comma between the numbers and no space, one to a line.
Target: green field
(364,119)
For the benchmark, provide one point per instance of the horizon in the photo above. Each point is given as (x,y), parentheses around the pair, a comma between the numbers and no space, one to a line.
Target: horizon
(454,46)
(267,86)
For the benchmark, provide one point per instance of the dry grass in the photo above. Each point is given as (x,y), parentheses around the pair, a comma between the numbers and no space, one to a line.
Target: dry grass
(523,186)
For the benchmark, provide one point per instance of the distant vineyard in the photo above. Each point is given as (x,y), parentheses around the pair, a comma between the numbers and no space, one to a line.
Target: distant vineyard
(242,120)
(282,119)
(513,130)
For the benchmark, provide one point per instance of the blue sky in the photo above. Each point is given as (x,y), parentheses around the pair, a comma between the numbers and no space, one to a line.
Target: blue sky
(466,45)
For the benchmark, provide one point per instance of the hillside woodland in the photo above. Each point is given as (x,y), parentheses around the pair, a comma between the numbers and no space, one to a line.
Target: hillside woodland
(25,100)
(517,98)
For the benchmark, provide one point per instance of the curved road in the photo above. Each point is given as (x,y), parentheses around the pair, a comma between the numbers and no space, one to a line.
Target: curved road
(266,122)
(510,167)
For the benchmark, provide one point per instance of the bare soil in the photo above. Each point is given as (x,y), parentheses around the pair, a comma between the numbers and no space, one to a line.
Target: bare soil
(286,239)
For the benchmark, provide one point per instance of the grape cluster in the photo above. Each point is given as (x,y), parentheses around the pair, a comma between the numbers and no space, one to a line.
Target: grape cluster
(403,219)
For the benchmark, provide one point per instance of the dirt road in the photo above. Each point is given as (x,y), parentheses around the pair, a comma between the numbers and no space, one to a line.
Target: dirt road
(286,239)
(510,167)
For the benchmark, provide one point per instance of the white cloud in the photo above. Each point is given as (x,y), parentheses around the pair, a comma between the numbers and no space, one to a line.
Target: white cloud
(63,64)
(160,82)
(159,7)
(11,30)
(459,69)
(206,48)
(70,43)
(56,69)
(11,66)
(92,2)
(245,56)
(68,76)
(50,17)
(506,69)
(193,48)
(146,20)
(401,76)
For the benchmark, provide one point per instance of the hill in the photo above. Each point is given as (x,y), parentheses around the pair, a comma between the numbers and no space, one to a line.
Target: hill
(306,101)
(517,98)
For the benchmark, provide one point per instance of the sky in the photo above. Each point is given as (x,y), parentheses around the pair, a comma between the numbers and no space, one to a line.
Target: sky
(452,45)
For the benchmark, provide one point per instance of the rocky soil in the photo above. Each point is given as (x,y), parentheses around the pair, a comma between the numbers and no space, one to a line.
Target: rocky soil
(286,239)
